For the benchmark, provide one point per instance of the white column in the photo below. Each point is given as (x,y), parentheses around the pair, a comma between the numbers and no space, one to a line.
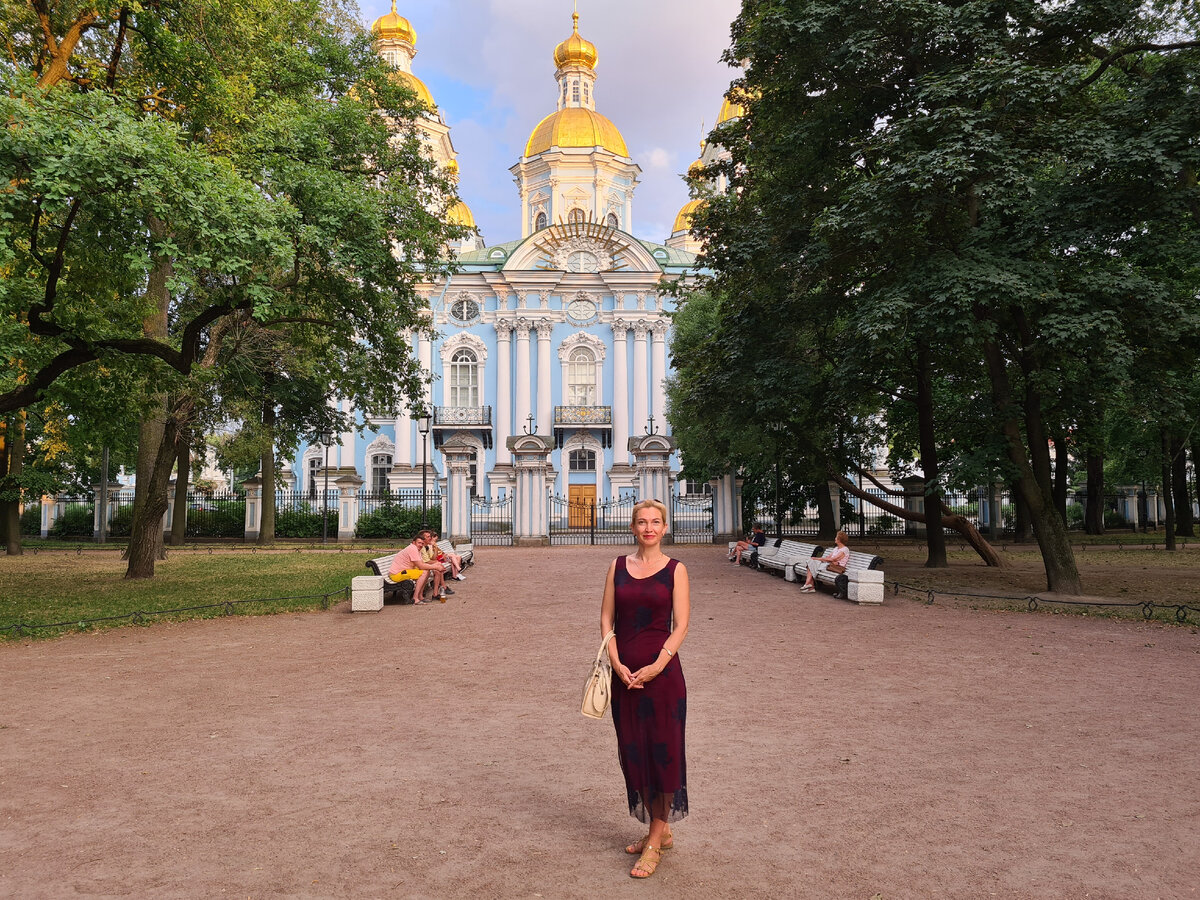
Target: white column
(503,423)
(425,355)
(345,450)
(657,382)
(404,432)
(521,403)
(620,398)
(545,395)
(640,378)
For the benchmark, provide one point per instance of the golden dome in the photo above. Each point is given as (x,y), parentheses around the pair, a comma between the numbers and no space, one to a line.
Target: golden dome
(460,214)
(394,27)
(452,168)
(730,111)
(575,50)
(416,85)
(683,221)
(575,127)
(696,169)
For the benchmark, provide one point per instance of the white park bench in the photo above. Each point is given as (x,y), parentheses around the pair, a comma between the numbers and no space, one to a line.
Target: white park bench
(863,578)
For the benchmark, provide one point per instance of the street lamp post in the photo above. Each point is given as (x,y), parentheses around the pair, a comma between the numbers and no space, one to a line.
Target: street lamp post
(423,427)
(326,438)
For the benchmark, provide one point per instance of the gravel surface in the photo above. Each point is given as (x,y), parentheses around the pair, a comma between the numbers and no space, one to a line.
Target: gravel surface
(902,751)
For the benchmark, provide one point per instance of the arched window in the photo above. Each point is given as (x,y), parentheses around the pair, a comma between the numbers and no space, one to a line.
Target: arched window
(314,476)
(581,378)
(381,464)
(582,461)
(575,91)
(612,221)
(464,378)
(576,216)
(585,92)
(540,222)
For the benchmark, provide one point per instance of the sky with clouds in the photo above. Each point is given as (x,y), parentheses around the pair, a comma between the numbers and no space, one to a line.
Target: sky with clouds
(489,66)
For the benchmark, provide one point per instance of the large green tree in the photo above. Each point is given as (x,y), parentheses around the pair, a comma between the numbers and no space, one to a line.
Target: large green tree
(981,193)
(178,165)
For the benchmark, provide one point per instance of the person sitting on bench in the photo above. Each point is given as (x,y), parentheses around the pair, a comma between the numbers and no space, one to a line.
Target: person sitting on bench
(456,562)
(835,560)
(407,565)
(757,538)
(432,554)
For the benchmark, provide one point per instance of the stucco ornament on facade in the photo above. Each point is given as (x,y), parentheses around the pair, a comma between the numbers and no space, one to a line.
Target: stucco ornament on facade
(463,339)
(581,339)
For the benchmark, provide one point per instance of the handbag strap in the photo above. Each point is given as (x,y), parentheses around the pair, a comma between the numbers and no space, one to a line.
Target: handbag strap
(604,644)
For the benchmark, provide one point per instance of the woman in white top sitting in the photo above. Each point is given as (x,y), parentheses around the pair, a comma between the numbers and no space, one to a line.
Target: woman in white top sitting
(838,556)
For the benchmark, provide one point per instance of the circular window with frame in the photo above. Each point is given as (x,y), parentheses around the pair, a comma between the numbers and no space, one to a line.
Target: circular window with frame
(464,311)
(581,310)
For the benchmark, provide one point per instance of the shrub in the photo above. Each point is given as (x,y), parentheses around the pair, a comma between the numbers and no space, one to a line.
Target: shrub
(220,518)
(76,521)
(31,520)
(1113,519)
(301,522)
(394,521)
(885,524)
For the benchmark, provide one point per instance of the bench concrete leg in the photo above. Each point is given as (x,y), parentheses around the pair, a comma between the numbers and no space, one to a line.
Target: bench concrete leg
(869,594)
(366,593)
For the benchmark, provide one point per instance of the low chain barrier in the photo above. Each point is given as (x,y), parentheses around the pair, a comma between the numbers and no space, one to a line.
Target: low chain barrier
(1033,603)
(137,617)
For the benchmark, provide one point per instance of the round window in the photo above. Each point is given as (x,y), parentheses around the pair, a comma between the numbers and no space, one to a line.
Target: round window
(464,310)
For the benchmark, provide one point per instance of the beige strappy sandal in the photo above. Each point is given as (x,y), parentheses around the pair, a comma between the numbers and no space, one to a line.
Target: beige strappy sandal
(647,863)
(639,845)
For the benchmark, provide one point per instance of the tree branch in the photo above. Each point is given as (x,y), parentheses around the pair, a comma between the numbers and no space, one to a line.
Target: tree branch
(1115,55)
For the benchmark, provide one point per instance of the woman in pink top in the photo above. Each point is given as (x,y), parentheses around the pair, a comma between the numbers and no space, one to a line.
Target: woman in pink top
(838,556)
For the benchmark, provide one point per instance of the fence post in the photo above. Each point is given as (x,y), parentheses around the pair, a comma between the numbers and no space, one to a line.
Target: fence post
(348,505)
(531,508)
(254,493)
(592,522)
(49,514)
(456,502)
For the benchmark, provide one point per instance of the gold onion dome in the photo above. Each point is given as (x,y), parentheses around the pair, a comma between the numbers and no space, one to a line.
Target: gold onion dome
(460,214)
(416,85)
(730,111)
(575,126)
(683,221)
(575,50)
(696,169)
(452,168)
(394,27)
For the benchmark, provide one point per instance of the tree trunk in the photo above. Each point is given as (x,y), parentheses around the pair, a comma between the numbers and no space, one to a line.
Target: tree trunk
(1184,526)
(960,524)
(146,536)
(1093,516)
(1022,532)
(935,537)
(1167,498)
(1034,475)
(826,527)
(266,529)
(156,438)
(12,460)
(182,475)
(1062,471)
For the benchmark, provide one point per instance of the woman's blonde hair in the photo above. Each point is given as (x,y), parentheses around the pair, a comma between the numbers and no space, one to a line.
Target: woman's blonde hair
(841,536)
(644,504)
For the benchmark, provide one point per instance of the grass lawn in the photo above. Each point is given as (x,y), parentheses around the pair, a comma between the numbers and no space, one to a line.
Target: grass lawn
(65,586)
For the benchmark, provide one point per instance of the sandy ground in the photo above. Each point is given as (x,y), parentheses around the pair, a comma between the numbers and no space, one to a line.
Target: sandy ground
(904,751)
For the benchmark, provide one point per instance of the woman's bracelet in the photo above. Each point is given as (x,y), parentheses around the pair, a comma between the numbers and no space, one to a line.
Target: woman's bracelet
(670,652)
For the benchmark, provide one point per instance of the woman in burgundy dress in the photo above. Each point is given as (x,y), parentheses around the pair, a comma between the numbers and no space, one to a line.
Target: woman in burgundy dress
(643,593)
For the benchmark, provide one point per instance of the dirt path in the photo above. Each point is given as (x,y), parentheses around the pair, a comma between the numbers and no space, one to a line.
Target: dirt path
(907,751)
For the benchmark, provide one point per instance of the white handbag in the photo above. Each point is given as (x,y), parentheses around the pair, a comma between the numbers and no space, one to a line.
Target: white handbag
(597,690)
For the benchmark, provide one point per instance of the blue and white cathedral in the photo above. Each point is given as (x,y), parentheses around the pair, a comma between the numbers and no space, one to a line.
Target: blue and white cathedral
(562,332)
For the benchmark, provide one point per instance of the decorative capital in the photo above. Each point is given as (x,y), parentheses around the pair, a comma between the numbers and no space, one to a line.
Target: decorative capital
(641,329)
(523,326)
(660,327)
(620,326)
(545,328)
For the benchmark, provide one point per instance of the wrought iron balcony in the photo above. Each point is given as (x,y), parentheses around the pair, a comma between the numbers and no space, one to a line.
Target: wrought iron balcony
(583,415)
(463,416)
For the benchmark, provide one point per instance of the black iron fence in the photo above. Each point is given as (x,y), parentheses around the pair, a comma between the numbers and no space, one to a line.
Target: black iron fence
(692,519)
(590,521)
(863,519)
(492,521)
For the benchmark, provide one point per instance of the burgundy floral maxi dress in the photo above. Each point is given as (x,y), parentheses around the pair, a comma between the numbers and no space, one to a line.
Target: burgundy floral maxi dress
(649,720)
